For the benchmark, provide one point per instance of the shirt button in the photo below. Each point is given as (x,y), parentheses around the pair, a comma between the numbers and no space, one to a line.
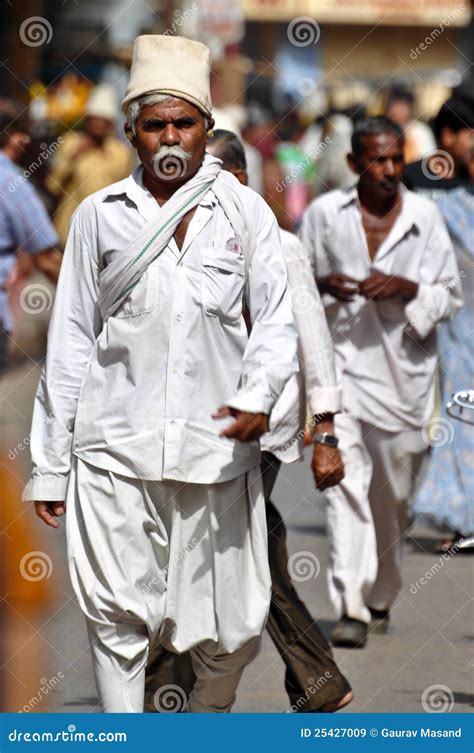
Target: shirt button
(175,371)
(179,317)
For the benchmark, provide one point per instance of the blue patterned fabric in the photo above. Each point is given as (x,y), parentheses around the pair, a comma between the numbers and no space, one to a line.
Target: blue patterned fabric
(446,496)
(24,223)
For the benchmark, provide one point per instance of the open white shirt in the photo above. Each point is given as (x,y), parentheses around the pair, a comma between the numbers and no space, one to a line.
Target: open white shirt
(385,351)
(135,395)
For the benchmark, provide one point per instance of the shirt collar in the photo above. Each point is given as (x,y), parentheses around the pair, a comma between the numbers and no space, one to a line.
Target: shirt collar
(405,220)
(135,191)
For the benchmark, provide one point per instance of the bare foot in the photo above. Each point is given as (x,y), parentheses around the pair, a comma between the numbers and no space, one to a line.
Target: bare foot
(332,706)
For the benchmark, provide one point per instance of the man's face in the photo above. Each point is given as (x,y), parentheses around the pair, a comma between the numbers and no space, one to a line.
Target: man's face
(400,111)
(459,144)
(381,163)
(171,140)
(98,128)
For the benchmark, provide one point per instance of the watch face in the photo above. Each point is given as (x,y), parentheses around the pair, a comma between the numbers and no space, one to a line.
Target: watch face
(327,439)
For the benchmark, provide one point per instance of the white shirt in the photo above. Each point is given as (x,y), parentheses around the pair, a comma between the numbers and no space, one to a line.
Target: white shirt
(135,395)
(316,354)
(385,351)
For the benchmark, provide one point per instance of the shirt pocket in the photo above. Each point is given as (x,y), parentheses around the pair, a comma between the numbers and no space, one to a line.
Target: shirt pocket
(144,297)
(222,283)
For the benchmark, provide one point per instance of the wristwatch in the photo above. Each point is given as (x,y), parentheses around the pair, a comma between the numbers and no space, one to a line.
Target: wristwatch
(325,438)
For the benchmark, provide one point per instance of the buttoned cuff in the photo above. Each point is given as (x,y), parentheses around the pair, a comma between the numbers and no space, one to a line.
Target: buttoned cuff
(324,400)
(45,489)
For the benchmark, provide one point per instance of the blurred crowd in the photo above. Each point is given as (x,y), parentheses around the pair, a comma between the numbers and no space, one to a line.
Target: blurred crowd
(69,144)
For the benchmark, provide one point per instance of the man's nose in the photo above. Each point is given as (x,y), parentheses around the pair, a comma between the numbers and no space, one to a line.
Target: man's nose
(170,135)
(389,167)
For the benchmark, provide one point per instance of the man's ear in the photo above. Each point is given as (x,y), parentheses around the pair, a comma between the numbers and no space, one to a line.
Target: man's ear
(352,162)
(129,134)
(211,125)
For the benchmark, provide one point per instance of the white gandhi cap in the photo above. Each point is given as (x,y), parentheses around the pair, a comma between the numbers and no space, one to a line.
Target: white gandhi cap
(176,66)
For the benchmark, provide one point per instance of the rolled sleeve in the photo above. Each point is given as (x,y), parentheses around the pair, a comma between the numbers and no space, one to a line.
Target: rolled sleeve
(439,294)
(270,357)
(315,344)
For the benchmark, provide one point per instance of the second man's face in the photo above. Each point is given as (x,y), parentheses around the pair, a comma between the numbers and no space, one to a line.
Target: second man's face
(381,164)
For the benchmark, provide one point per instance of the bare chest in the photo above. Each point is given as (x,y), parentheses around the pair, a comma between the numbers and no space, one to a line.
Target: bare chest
(377,228)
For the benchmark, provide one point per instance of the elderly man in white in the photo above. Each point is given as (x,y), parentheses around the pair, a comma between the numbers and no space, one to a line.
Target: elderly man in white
(153,396)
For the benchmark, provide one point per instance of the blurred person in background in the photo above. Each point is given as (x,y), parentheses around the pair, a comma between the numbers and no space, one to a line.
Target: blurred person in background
(27,237)
(89,160)
(448,167)
(332,170)
(383,259)
(400,108)
(301,645)
(445,498)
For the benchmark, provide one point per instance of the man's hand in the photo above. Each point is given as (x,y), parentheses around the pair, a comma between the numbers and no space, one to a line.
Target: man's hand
(48,511)
(246,427)
(327,466)
(380,287)
(340,286)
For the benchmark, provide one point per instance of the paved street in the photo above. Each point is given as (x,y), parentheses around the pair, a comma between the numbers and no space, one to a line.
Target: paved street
(430,642)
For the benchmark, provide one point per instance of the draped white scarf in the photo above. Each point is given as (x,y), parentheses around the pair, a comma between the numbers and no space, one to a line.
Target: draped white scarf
(123,273)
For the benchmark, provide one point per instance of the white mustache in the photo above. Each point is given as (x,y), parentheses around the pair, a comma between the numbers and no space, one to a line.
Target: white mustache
(171,151)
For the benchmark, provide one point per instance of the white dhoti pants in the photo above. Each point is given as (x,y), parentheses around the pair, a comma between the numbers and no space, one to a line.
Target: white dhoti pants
(367,515)
(185,564)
